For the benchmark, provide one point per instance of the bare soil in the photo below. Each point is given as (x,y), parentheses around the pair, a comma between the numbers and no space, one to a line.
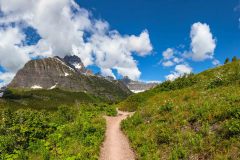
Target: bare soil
(116,145)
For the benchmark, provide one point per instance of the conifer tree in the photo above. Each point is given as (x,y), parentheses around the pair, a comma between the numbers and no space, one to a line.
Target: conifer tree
(234,59)
(226,61)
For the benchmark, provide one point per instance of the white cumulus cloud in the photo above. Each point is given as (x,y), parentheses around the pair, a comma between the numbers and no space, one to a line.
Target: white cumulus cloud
(168,53)
(183,69)
(202,47)
(172,76)
(216,62)
(140,44)
(168,63)
(203,43)
(12,54)
(66,28)
(170,57)
(5,78)
(179,71)
(107,72)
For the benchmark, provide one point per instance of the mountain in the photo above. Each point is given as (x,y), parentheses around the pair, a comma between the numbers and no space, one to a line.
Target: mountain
(192,117)
(67,74)
(137,86)
(75,62)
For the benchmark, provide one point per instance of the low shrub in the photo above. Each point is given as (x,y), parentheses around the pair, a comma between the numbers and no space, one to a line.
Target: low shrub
(184,81)
(163,135)
(231,128)
(71,132)
(178,153)
(167,107)
(216,83)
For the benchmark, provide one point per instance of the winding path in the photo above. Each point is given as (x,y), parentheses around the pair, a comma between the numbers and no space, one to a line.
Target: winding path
(116,145)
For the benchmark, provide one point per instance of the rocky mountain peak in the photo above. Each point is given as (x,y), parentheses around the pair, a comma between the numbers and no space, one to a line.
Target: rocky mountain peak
(75,62)
(50,73)
(126,80)
(137,86)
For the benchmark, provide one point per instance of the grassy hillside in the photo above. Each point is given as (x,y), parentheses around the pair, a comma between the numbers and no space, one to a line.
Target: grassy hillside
(193,117)
(68,133)
(46,99)
(51,124)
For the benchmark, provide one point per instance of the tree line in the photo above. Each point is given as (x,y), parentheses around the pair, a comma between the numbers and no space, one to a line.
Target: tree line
(234,59)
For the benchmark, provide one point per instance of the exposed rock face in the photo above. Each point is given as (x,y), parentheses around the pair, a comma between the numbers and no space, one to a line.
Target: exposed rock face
(136,86)
(75,62)
(55,72)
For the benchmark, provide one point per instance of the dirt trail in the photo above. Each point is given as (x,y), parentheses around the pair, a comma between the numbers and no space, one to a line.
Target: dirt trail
(116,145)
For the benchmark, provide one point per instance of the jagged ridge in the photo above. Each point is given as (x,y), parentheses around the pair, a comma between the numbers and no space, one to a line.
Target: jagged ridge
(49,73)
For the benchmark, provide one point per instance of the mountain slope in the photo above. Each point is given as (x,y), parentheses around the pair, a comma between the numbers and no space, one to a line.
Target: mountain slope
(54,72)
(137,86)
(44,99)
(53,111)
(75,62)
(193,117)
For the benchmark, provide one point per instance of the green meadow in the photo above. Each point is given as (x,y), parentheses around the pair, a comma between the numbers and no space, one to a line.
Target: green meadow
(52,124)
(193,117)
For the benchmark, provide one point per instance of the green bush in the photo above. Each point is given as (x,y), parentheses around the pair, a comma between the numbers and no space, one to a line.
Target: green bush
(234,59)
(178,153)
(231,128)
(236,73)
(111,111)
(163,135)
(71,132)
(184,81)
(45,99)
(65,114)
(167,107)
(216,83)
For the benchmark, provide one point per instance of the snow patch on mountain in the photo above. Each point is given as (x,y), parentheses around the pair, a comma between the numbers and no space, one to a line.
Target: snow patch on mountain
(53,86)
(137,91)
(58,59)
(77,65)
(66,74)
(138,86)
(36,87)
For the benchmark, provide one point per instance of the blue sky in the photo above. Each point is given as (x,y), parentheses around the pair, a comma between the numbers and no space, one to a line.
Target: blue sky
(121,37)
(168,23)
